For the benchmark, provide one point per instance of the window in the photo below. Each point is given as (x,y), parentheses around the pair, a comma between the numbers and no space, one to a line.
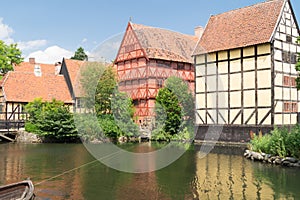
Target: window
(289,81)
(290,107)
(293,81)
(286,80)
(78,103)
(294,107)
(289,57)
(293,58)
(289,39)
(180,66)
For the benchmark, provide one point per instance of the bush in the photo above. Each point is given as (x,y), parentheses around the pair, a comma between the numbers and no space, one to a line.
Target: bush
(280,142)
(51,119)
(261,144)
(29,127)
(293,142)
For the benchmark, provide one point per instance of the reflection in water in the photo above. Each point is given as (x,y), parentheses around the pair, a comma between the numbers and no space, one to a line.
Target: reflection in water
(222,174)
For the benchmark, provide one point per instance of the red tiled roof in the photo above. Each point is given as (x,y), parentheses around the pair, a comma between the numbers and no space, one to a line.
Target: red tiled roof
(165,44)
(25,87)
(242,27)
(28,67)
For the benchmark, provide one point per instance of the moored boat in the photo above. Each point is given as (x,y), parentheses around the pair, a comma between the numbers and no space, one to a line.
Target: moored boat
(23,190)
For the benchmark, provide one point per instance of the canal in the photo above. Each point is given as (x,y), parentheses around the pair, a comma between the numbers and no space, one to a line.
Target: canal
(60,171)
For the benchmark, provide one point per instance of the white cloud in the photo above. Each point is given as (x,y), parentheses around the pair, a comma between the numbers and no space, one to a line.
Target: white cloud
(50,55)
(31,45)
(5,32)
(84,40)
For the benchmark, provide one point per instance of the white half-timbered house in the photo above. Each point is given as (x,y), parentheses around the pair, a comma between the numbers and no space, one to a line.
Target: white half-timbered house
(245,71)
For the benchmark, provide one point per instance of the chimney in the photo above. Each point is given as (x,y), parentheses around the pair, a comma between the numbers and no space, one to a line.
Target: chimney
(199,31)
(32,60)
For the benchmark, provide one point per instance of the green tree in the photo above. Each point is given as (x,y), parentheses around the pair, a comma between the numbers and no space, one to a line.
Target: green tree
(52,120)
(123,110)
(185,96)
(90,74)
(105,89)
(80,54)
(168,111)
(9,55)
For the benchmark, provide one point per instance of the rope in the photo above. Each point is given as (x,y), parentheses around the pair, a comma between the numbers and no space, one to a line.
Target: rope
(66,172)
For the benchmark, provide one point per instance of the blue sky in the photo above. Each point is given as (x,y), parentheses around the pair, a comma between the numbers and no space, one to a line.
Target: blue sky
(63,26)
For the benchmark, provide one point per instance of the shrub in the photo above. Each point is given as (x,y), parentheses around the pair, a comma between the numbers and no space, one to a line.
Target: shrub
(277,142)
(261,144)
(280,142)
(293,142)
(51,119)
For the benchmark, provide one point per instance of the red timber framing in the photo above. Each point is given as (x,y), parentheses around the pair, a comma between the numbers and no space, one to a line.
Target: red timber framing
(141,77)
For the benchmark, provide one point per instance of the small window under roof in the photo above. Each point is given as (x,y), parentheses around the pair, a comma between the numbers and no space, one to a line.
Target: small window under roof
(37,70)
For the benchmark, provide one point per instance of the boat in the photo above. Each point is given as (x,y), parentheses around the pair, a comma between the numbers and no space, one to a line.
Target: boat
(23,190)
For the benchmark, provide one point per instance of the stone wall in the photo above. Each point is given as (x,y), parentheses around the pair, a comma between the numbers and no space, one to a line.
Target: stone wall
(26,137)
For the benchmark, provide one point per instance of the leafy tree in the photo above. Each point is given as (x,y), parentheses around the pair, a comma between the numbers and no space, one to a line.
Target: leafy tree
(184,95)
(9,55)
(168,111)
(51,119)
(174,109)
(80,54)
(90,74)
(105,89)
(123,110)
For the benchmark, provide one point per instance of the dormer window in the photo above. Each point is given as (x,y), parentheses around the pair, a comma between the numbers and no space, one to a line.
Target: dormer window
(37,70)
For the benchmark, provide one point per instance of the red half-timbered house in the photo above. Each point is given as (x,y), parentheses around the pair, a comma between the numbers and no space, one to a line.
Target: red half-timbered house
(148,56)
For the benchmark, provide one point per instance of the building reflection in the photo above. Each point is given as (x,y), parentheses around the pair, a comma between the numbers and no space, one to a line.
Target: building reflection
(220,176)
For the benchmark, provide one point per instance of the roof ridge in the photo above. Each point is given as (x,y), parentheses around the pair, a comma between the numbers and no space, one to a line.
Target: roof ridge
(146,26)
(249,6)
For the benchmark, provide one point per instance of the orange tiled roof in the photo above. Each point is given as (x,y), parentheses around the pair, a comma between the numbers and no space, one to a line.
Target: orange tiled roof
(29,67)
(25,87)
(165,44)
(242,27)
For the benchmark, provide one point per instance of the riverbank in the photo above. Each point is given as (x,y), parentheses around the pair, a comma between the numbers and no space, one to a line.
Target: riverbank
(268,158)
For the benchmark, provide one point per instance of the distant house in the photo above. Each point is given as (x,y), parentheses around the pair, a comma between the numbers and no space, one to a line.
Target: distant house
(146,58)
(245,71)
(31,80)
(70,69)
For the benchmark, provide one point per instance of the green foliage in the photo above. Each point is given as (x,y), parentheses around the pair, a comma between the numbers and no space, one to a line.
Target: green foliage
(174,110)
(29,127)
(109,126)
(9,55)
(261,144)
(88,127)
(184,95)
(51,119)
(105,89)
(80,54)
(168,111)
(90,74)
(280,142)
(293,142)
(123,110)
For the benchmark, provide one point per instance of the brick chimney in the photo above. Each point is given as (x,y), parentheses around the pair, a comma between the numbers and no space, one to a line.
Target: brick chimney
(198,31)
(32,60)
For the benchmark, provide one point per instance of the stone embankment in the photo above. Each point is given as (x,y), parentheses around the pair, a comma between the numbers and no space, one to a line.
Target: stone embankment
(268,158)
(26,137)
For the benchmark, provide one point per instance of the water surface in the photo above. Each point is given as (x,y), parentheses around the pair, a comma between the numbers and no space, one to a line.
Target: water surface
(68,171)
